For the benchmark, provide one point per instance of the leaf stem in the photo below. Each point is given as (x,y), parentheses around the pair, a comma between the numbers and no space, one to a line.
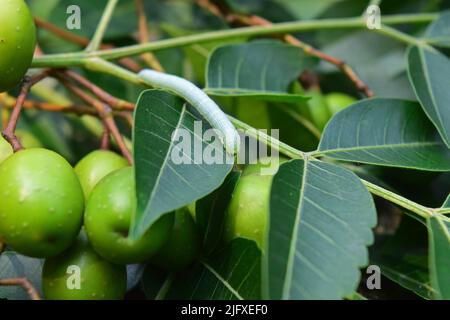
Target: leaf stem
(400,36)
(397,199)
(77,58)
(102,25)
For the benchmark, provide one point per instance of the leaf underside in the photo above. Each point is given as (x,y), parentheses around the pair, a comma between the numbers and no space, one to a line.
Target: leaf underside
(162,185)
(386,132)
(320,226)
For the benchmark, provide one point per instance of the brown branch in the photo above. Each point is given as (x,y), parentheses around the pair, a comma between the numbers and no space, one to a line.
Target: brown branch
(254,20)
(10,128)
(148,57)
(105,141)
(24,283)
(115,103)
(2,246)
(9,103)
(104,112)
(82,41)
(128,116)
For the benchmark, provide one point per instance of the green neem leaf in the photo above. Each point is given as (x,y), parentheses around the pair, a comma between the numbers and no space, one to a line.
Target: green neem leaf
(162,185)
(232,273)
(446,202)
(438,32)
(386,132)
(403,258)
(320,226)
(428,73)
(210,212)
(439,255)
(259,69)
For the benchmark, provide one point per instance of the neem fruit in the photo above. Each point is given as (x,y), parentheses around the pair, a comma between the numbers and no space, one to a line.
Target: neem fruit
(41,203)
(248,211)
(96,165)
(108,216)
(81,274)
(183,246)
(17,42)
(338,101)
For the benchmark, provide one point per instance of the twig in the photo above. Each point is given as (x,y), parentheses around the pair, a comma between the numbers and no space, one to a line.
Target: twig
(96,40)
(8,133)
(82,41)
(128,117)
(24,283)
(104,112)
(115,103)
(2,246)
(144,37)
(253,20)
(105,141)
(9,103)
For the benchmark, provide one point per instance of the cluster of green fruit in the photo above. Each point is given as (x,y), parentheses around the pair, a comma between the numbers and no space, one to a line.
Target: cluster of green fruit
(322,107)
(79,217)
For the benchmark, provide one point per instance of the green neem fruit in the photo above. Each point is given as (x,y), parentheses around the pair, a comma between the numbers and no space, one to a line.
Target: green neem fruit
(318,109)
(41,203)
(96,165)
(338,101)
(5,149)
(108,216)
(264,166)
(81,274)
(27,140)
(183,246)
(17,42)
(249,207)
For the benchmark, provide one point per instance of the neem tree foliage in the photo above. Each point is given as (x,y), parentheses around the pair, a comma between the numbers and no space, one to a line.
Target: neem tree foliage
(99,199)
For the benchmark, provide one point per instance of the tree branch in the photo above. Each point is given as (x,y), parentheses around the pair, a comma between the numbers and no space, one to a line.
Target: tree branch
(83,42)
(105,141)
(104,112)
(63,60)
(113,102)
(253,20)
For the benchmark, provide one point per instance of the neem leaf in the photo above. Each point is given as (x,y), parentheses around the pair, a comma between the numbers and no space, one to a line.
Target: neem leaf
(168,176)
(260,69)
(438,32)
(386,132)
(321,217)
(439,255)
(210,212)
(428,71)
(404,259)
(232,273)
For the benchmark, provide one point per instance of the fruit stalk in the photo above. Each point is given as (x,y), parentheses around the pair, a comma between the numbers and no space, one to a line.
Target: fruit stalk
(8,133)
(105,113)
(24,283)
